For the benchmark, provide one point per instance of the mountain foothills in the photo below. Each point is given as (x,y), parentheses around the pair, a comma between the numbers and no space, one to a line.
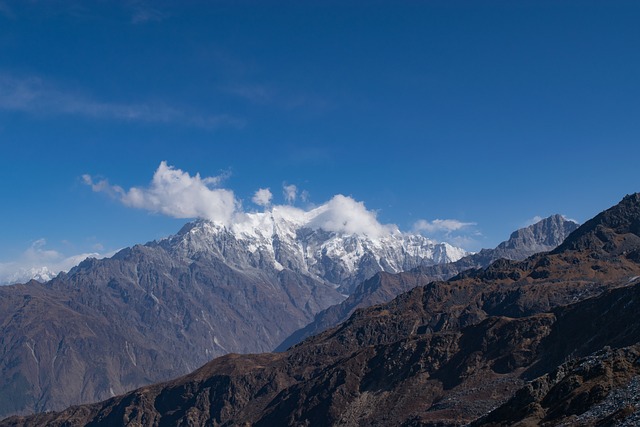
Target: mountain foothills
(553,339)
(542,236)
(159,310)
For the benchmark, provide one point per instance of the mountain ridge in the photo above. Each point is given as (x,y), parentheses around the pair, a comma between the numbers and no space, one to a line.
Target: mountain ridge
(158,310)
(275,240)
(542,236)
(447,353)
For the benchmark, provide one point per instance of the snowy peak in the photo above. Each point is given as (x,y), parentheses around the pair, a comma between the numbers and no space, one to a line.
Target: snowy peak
(41,274)
(286,238)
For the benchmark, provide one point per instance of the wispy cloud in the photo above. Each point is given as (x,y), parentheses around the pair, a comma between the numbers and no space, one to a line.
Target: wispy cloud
(441,225)
(144,14)
(41,263)
(458,233)
(264,94)
(34,95)
(566,218)
(290,193)
(258,94)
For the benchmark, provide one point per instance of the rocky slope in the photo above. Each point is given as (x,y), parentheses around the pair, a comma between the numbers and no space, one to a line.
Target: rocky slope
(590,365)
(155,311)
(542,236)
(447,353)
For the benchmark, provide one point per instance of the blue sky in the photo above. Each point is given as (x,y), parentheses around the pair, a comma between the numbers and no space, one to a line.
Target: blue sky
(483,113)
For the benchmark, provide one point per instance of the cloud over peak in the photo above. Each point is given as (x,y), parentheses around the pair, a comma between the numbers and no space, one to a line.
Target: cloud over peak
(175,193)
(453,231)
(262,197)
(343,214)
(290,193)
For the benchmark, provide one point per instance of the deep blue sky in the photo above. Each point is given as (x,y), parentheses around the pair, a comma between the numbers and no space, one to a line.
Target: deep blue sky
(487,112)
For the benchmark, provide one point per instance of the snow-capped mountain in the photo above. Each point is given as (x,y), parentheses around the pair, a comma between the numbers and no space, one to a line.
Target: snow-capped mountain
(159,310)
(41,274)
(155,311)
(283,239)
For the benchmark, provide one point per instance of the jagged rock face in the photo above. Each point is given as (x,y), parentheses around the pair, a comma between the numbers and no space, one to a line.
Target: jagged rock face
(447,353)
(543,236)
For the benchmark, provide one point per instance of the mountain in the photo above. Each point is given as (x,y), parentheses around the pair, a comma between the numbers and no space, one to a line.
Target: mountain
(156,311)
(551,339)
(41,274)
(324,248)
(542,236)
(283,239)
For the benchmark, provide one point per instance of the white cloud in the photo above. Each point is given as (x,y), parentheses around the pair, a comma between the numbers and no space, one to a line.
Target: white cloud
(441,225)
(290,193)
(453,231)
(103,186)
(175,193)
(34,95)
(262,197)
(40,263)
(345,215)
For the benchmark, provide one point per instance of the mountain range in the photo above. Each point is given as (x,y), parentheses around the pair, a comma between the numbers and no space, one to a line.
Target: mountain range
(553,339)
(542,236)
(159,310)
